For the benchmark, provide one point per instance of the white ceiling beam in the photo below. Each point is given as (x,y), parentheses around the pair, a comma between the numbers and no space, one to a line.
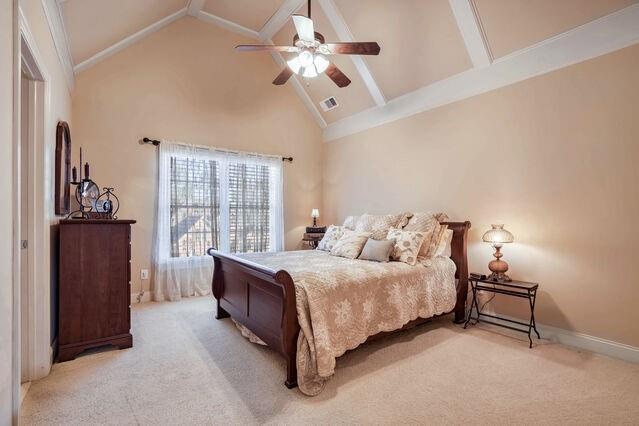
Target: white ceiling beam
(195,6)
(472,32)
(308,102)
(227,25)
(128,41)
(344,34)
(277,21)
(53,15)
(596,38)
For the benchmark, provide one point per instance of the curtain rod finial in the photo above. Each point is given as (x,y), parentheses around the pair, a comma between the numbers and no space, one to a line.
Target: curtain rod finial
(151,141)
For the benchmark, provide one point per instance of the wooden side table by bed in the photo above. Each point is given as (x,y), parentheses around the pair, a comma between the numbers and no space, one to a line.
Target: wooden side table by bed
(313,240)
(514,288)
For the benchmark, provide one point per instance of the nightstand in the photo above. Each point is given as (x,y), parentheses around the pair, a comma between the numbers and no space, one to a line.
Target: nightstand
(514,288)
(313,239)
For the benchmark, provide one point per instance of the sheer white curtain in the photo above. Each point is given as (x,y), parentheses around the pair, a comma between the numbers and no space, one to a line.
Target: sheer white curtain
(211,197)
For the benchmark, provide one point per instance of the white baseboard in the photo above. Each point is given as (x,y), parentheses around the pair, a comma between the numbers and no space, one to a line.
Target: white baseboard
(146,297)
(580,340)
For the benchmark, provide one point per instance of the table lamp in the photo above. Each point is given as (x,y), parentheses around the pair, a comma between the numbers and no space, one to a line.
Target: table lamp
(315,215)
(497,237)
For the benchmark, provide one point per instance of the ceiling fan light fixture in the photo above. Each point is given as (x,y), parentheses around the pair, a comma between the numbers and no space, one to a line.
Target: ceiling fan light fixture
(310,72)
(306,58)
(294,65)
(321,63)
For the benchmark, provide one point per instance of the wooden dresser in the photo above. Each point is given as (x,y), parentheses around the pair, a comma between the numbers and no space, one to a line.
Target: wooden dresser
(94,285)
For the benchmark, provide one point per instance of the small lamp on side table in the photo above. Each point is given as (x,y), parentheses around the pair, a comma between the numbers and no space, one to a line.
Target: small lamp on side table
(497,237)
(315,215)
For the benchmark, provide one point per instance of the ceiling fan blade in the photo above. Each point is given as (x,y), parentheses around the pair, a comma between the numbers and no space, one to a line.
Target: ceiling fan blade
(265,48)
(354,48)
(337,76)
(283,76)
(304,28)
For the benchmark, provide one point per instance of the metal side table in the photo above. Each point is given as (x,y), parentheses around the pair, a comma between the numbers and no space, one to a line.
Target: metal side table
(522,289)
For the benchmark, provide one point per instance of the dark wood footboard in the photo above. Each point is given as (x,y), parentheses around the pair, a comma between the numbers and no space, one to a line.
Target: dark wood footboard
(263,299)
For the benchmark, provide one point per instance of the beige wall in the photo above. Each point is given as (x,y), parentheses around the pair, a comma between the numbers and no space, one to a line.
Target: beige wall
(6,217)
(554,158)
(186,83)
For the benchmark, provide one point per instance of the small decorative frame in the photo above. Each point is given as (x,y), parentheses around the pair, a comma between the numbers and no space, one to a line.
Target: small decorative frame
(62,177)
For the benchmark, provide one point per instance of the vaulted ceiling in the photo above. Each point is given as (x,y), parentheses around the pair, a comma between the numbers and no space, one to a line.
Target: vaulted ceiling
(424,43)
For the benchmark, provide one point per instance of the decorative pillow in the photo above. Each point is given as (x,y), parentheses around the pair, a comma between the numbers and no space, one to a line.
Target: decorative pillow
(428,223)
(350,222)
(332,235)
(437,237)
(407,245)
(378,225)
(444,247)
(377,250)
(350,244)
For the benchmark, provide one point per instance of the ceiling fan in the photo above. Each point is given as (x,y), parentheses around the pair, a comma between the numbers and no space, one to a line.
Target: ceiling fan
(312,52)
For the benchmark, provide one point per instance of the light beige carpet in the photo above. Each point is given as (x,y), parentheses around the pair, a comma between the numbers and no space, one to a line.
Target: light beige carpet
(188,368)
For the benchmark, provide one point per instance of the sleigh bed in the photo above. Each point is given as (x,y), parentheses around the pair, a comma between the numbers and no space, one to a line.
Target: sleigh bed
(263,298)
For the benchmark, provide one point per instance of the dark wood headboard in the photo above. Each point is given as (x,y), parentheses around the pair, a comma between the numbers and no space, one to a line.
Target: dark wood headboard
(459,256)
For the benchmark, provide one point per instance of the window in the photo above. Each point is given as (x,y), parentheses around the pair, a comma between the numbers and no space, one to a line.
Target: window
(228,201)
(195,206)
(249,204)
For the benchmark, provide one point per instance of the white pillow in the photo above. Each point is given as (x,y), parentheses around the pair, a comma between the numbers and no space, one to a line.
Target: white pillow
(444,248)
(350,245)
(332,235)
(351,222)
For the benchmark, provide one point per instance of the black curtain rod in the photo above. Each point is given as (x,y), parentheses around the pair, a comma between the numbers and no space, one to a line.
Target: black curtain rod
(156,142)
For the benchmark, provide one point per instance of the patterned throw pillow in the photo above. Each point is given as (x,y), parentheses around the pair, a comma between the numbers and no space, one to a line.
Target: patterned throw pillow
(350,222)
(332,235)
(428,223)
(407,245)
(351,244)
(378,225)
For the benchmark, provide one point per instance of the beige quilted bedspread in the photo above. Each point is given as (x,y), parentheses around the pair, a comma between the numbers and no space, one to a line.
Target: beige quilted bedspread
(341,302)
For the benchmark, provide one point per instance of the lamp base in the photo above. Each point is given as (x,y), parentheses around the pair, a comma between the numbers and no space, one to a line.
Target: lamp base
(499,277)
(498,268)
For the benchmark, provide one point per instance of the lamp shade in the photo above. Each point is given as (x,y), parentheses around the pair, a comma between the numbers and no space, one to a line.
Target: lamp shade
(315,213)
(498,235)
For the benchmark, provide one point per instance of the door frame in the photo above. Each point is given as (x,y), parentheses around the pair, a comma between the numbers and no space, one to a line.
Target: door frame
(39,352)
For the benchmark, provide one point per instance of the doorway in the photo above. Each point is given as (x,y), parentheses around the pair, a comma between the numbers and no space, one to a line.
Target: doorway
(31,294)
(27,128)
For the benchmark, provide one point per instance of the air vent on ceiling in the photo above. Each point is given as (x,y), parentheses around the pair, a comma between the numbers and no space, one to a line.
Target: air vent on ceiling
(329,104)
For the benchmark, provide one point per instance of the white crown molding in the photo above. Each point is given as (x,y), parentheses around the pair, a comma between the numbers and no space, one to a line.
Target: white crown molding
(344,33)
(195,6)
(227,25)
(60,41)
(472,32)
(128,41)
(308,102)
(279,18)
(604,35)
(579,340)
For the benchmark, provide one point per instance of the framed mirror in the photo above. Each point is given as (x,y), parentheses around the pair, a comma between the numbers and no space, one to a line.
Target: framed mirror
(62,169)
